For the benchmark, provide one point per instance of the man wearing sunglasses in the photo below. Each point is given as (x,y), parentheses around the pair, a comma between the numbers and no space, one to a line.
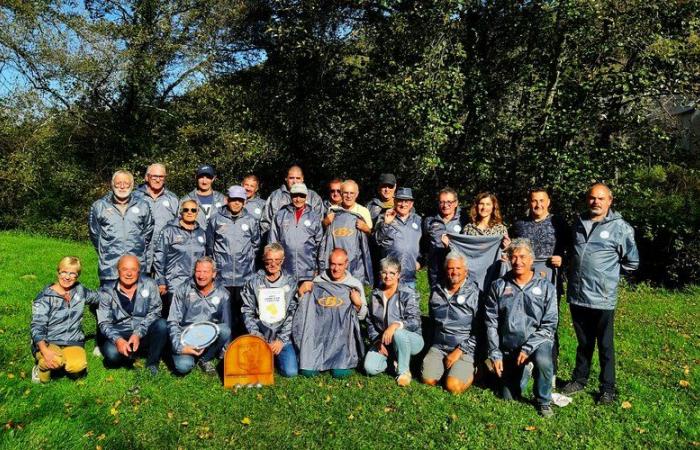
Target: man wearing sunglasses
(208,200)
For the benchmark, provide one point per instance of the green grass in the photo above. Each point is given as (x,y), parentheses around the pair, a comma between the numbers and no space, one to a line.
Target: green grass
(657,347)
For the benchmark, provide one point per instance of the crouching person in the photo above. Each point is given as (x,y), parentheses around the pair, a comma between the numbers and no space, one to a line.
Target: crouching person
(129,317)
(453,308)
(269,302)
(57,317)
(393,324)
(199,301)
(521,318)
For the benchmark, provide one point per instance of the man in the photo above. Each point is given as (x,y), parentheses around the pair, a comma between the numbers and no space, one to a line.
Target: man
(385,200)
(603,245)
(334,197)
(282,197)
(163,203)
(521,316)
(120,223)
(435,229)
(453,309)
(549,236)
(398,234)
(233,238)
(129,317)
(349,192)
(269,302)
(326,326)
(199,301)
(298,230)
(208,200)
(254,204)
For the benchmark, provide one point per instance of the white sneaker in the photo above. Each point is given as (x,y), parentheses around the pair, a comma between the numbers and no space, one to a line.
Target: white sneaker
(96,352)
(35,374)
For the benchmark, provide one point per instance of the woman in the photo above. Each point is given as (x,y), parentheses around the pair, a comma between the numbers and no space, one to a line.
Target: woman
(486,218)
(57,314)
(393,324)
(180,244)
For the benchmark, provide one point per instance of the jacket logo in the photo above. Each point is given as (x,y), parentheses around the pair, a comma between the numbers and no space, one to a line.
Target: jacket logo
(166,203)
(330,302)
(200,239)
(461,299)
(135,210)
(307,223)
(215,300)
(414,225)
(257,211)
(218,204)
(245,227)
(456,228)
(605,234)
(537,291)
(144,293)
(508,291)
(343,232)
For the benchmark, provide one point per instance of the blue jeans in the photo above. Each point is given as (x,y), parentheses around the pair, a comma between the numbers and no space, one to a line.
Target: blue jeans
(287,362)
(183,364)
(515,378)
(151,344)
(404,344)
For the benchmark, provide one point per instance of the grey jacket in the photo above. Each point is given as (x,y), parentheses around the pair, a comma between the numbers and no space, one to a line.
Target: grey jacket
(520,319)
(596,261)
(255,207)
(233,243)
(114,321)
(218,199)
(164,209)
(343,233)
(282,197)
(57,321)
(433,230)
(376,208)
(401,307)
(176,252)
(401,240)
(190,306)
(301,240)
(281,330)
(455,318)
(114,235)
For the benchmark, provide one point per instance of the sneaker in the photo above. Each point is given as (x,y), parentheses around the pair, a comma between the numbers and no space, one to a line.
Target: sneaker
(545,411)
(35,374)
(572,387)
(606,398)
(404,379)
(207,367)
(96,352)
(152,370)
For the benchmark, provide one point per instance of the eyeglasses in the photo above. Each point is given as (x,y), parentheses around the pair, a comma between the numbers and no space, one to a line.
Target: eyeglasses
(349,193)
(387,273)
(122,184)
(157,177)
(189,210)
(448,202)
(272,261)
(68,274)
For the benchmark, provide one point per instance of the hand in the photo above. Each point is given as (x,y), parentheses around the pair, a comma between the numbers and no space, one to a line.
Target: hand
(305,287)
(276,346)
(445,240)
(163,289)
(382,349)
(417,265)
(388,334)
(330,217)
(189,350)
(134,342)
(362,226)
(505,242)
(122,346)
(522,358)
(50,358)
(555,261)
(355,298)
(498,367)
(453,357)
(389,216)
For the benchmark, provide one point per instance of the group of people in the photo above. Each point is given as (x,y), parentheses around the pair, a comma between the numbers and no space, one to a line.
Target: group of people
(294,270)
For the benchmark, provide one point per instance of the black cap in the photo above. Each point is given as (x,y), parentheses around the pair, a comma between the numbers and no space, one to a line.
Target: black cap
(387,178)
(207,170)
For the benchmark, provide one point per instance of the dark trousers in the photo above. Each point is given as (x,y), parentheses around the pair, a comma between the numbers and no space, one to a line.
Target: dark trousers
(151,345)
(238,327)
(593,325)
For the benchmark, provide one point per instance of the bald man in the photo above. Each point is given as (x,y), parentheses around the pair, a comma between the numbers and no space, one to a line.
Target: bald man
(603,246)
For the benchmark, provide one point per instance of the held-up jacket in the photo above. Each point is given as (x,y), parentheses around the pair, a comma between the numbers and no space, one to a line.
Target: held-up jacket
(343,233)
(114,321)
(176,252)
(401,239)
(281,330)
(233,243)
(455,318)
(301,240)
(401,307)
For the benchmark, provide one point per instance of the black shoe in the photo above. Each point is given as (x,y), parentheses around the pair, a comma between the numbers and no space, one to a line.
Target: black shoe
(572,387)
(207,367)
(152,370)
(545,411)
(606,398)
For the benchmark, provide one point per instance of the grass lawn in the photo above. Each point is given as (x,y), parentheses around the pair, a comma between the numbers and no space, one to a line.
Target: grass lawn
(658,378)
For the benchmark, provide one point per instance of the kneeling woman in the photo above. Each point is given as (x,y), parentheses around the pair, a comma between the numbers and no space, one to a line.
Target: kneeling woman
(57,316)
(393,324)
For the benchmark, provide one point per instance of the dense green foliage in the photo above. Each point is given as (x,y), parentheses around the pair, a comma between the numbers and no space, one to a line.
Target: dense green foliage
(658,379)
(495,95)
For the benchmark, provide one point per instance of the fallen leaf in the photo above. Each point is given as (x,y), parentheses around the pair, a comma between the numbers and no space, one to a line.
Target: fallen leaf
(98,447)
(626,405)
(170,414)
(101,437)
(351,417)
(10,375)
(530,428)
(89,434)
(246,421)
(490,426)
(327,399)
(686,370)
(109,379)
(259,396)
(113,411)
(641,430)
(184,424)
(684,383)
(23,375)
(388,409)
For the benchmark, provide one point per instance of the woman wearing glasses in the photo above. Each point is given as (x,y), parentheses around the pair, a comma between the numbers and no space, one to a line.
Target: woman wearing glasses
(57,315)
(179,246)
(393,324)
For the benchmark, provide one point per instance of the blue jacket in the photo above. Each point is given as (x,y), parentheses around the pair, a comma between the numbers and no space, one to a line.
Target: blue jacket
(401,307)
(596,261)
(433,230)
(520,318)
(218,199)
(176,252)
(114,235)
(190,306)
(401,240)
(280,198)
(57,321)
(255,207)
(233,243)
(250,310)
(164,209)
(455,318)
(301,240)
(114,321)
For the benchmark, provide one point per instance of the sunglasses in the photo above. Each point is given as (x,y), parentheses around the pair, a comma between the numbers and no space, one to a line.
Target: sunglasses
(335,191)
(188,210)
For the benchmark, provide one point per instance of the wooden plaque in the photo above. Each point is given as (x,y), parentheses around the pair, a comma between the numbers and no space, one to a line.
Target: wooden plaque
(248,360)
